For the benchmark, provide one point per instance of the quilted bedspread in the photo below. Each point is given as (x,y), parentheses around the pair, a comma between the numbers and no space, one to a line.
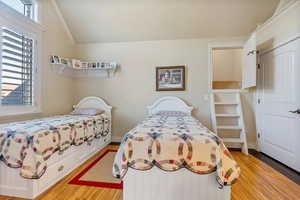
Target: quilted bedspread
(29,144)
(174,142)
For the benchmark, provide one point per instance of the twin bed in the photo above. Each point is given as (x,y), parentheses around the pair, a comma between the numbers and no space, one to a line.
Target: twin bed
(172,156)
(169,156)
(36,154)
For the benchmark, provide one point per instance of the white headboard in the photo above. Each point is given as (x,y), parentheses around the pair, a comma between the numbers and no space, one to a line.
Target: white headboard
(94,102)
(169,104)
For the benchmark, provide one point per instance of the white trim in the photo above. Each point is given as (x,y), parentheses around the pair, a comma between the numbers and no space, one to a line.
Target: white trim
(237,43)
(275,18)
(18,19)
(19,110)
(280,44)
(15,21)
(259,90)
(220,45)
(169,103)
(252,146)
(283,5)
(230,91)
(63,21)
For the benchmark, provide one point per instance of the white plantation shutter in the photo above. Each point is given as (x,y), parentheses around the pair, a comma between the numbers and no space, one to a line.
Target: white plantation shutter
(17,69)
(20,58)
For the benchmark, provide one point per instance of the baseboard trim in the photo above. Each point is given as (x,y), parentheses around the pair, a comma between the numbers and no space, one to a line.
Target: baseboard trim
(116,139)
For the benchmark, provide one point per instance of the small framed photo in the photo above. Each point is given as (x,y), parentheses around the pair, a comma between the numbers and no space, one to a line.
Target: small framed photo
(92,65)
(64,61)
(84,64)
(55,60)
(170,78)
(76,64)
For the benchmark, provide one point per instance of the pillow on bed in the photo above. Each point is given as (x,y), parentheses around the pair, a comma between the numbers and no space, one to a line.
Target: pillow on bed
(87,111)
(171,113)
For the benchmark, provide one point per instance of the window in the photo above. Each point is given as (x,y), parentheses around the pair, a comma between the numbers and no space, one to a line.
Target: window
(20,42)
(24,7)
(16,72)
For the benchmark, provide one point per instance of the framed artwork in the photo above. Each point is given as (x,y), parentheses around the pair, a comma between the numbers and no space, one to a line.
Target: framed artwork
(171,78)
(76,63)
(55,60)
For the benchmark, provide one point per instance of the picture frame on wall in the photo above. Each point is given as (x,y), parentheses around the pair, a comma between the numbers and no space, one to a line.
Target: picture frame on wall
(55,60)
(76,64)
(170,78)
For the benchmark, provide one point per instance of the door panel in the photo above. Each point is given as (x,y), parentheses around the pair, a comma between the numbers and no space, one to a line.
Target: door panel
(249,62)
(280,129)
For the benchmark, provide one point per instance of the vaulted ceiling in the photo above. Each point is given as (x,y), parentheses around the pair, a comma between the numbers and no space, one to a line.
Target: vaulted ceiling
(139,20)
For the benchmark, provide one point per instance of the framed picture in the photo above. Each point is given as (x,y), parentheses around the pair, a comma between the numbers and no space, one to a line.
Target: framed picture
(55,60)
(64,61)
(76,63)
(92,65)
(84,64)
(170,78)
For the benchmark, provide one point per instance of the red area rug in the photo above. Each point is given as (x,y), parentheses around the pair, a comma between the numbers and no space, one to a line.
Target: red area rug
(99,173)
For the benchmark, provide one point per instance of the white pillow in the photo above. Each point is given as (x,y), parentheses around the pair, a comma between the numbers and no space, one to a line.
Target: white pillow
(87,111)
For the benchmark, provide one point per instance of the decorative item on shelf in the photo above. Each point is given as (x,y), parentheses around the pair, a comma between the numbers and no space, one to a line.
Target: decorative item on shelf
(55,60)
(92,65)
(78,68)
(84,64)
(76,63)
(64,61)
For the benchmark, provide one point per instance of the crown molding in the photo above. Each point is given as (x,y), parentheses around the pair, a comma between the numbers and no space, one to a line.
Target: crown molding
(278,14)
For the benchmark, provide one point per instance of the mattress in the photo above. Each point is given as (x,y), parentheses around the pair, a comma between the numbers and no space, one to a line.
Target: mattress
(171,143)
(28,145)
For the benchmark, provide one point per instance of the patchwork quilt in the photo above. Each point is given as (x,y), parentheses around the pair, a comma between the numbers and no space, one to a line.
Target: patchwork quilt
(29,144)
(173,142)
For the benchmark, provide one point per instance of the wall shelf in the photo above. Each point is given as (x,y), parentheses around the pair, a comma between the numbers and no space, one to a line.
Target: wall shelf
(108,71)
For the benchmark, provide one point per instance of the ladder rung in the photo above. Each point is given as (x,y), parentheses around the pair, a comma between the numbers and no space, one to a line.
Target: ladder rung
(233,91)
(229,127)
(226,103)
(233,140)
(227,115)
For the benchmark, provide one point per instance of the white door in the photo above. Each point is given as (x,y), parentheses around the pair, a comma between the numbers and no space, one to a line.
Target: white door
(280,94)
(249,63)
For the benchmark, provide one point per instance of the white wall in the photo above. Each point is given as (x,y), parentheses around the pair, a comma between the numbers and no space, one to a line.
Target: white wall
(227,65)
(57,91)
(133,87)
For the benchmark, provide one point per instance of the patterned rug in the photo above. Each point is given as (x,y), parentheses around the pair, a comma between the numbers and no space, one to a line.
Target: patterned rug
(99,173)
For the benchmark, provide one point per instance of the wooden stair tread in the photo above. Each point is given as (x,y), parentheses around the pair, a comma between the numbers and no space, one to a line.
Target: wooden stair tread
(226,103)
(227,115)
(233,140)
(226,106)
(230,127)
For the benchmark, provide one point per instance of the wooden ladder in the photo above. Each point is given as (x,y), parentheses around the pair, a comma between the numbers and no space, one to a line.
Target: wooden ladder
(227,118)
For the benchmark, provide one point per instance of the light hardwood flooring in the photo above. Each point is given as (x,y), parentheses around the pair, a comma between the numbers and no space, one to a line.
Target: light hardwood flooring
(258,181)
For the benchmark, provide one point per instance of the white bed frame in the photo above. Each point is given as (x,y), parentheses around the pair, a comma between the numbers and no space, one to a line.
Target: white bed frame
(12,184)
(182,184)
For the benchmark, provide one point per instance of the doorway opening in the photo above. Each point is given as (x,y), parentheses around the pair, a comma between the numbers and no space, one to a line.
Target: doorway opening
(227,68)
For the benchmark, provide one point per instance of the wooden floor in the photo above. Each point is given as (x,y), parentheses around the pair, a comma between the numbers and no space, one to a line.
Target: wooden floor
(258,181)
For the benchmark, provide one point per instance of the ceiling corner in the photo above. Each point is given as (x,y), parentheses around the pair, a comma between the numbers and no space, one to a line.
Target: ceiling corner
(62,19)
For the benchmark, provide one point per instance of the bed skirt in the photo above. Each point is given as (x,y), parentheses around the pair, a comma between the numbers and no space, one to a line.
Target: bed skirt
(182,184)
